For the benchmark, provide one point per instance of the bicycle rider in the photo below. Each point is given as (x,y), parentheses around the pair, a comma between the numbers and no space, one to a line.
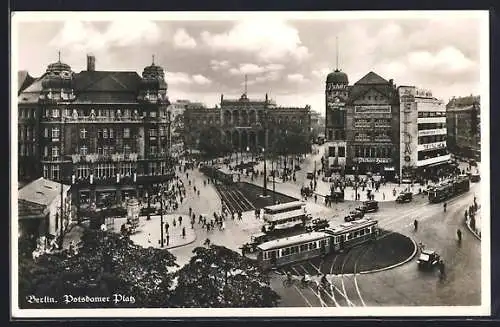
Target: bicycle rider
(324,280)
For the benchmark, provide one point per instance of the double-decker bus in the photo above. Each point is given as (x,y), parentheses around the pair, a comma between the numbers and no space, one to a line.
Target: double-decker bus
(306,246)
(285,216)
(449,189)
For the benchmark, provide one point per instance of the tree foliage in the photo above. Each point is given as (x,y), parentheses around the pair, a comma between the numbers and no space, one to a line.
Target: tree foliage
(219,277)
(105,264)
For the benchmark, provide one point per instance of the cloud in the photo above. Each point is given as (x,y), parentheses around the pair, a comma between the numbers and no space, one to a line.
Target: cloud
(321,72)
(296,78)
(202,80)
(447,61)
(270,40)
(218,64)
(253,69)
(85,36)
(179,78)
(182,40)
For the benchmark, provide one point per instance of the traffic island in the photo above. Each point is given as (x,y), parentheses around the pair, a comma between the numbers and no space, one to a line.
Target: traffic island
(148,233)
(253,194)
(388,251)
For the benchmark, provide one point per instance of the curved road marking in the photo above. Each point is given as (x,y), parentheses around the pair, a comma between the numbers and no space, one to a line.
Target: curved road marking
(332,296)
(318,294)
(354,275)
(298,274)
(349,302)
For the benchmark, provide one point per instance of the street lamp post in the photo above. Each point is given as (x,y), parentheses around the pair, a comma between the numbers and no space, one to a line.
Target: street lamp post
(161,219)
(274,185)
(265,172)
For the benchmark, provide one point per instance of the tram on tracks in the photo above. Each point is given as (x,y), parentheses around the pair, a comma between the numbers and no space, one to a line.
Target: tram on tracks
(285,216)
(449,189)
(306,246)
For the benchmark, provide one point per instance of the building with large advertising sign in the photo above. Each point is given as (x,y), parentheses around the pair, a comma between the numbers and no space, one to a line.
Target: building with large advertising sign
(422,149)
(372,126)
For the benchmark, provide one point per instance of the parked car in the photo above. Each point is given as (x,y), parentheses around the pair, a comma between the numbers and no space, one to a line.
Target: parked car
(255,240)
(310,175)
(317,224)
(428,259)
(404,197)
(475,178)
(351,217)
(357,213)
(369,206)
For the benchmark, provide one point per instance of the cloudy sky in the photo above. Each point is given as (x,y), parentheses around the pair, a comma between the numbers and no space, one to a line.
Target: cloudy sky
(287,57)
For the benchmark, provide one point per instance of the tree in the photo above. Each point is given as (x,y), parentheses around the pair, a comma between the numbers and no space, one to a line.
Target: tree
(104,264)
(219,277)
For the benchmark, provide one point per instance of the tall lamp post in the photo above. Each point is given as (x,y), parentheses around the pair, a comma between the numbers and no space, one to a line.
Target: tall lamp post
(161,217)
(265,172)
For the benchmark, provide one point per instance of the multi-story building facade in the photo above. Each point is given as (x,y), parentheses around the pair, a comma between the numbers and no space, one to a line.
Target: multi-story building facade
(372,126)
(423,148)
(246,125)
(336,95)
(463,119)
(176,110)
(105,132)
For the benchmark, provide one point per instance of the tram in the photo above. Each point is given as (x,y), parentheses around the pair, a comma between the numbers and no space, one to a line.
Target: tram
(348,235)
(306,246)
(449,189)
(283,251)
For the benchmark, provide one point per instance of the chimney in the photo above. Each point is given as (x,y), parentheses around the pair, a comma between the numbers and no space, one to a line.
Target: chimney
(90,63)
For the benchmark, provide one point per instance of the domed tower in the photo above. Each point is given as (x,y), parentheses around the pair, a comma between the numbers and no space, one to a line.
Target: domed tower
(153,85)
(57,84)
(336,93)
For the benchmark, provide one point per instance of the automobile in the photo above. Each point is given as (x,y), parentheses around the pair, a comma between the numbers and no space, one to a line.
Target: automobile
(357,213)
(404,197)
(351,217)
(255,240)
(226,161)
(310,175)
(317,224)
(475,178)
(369,206)
(428,259)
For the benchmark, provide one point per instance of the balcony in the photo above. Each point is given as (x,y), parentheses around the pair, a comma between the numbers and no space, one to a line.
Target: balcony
(115,157)
(90,119)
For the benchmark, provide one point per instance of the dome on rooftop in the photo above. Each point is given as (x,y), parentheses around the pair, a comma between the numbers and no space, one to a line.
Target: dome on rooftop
(337,77)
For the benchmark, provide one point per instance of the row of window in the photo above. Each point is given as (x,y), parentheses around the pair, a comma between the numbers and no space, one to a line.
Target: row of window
(431,139)
(426,114)
(372,152)
(423,155)
(341,151)
(25,133)
(426,126)
(27,150)
(107,170)
(27,113)
(310,246)
(125,113)
(101,133)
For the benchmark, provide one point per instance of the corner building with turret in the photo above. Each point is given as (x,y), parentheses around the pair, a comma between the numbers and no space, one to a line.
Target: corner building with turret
(104,132)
